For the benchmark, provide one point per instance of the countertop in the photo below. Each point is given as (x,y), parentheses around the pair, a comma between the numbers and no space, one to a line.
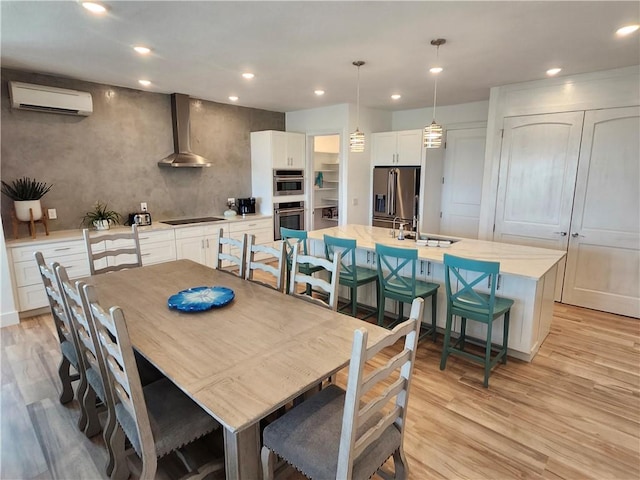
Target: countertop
(76,234)
(520,260)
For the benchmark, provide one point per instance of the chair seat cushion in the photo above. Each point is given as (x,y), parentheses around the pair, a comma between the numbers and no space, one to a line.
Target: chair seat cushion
(363,275)
(307,269)
(308,437)
(423,290)
(467,306)
(175,419)
(95,380)
(69,351)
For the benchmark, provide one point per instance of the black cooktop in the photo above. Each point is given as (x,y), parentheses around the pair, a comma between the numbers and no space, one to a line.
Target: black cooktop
(186,221)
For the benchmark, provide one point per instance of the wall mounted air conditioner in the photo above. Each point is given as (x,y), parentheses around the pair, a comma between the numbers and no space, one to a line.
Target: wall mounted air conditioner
(40,98)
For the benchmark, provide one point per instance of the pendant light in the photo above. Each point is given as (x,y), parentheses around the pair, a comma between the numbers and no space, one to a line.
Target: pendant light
(356,139)
(433,132)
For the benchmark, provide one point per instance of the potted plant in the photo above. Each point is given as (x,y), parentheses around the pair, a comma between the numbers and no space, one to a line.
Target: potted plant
(100,217)
(26,194)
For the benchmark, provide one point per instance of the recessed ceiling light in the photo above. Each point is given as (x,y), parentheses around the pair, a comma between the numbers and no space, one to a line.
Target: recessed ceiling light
(553,71)
(626,30)
(319,92)
(142,50)
(94,7)
(248,75)
(396,96)
(233,98)
(144,83)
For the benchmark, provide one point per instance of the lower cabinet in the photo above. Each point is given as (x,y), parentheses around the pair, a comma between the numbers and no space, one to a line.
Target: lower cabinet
(157,247)
(199,243)
(261,228)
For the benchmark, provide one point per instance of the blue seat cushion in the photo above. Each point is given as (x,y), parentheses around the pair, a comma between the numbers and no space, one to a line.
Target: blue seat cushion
(95,380)
(175,419)
(308,437)
(69,351)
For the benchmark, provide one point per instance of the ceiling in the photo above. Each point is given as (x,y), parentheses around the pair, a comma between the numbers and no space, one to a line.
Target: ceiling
(201,48)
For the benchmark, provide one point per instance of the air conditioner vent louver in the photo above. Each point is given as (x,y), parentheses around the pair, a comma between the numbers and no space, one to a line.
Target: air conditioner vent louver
(41,98)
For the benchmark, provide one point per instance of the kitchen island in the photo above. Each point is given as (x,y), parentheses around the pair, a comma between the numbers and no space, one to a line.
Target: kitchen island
(527,275)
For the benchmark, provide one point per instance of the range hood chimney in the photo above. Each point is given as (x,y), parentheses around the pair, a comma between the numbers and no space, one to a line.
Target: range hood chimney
(182,156)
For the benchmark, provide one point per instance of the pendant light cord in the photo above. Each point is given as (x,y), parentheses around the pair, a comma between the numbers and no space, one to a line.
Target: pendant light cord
(435,87)
(358,101)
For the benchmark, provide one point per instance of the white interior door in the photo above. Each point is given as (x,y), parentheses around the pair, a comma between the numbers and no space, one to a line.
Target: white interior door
(536,183)
(603,262)
(462,185)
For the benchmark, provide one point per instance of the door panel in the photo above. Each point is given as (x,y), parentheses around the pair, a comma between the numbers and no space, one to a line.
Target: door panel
(462,188)
(537,176)
(603,261)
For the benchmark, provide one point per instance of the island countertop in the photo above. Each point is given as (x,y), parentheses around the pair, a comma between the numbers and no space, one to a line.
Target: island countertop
(519,260)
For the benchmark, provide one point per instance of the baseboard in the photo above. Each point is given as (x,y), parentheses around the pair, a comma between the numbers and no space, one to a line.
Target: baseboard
(9,318)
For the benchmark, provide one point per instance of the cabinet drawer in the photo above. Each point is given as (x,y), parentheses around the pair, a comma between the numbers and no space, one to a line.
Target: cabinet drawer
(27,272)
(200,231)
(250,225)
(154,237)
(33,296)
(158,252)
(263,236)
(49,250)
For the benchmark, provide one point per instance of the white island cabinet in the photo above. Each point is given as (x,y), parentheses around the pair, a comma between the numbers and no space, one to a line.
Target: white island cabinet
(527,275)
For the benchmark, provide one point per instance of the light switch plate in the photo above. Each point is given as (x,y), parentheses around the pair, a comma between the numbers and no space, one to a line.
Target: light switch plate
(52,214)
(143,206)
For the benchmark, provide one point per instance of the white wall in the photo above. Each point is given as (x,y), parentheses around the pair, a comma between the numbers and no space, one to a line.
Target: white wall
(447,116)
(8,312)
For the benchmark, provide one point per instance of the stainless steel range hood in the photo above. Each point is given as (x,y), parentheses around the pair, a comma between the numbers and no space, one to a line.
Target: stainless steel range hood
(182,156)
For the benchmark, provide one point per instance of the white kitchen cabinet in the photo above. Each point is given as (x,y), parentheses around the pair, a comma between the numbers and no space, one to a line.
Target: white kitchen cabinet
(281,149)
(157,247)
(71,254)
(261,228)
(199,243)
(402,148)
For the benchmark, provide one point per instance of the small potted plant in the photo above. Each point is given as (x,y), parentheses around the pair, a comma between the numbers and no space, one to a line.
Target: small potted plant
(100,217)
(26,194)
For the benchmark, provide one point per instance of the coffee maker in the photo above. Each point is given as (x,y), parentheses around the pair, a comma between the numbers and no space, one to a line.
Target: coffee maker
(246,205)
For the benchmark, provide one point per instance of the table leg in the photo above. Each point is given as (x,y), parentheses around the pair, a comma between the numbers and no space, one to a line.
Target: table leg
(242,454)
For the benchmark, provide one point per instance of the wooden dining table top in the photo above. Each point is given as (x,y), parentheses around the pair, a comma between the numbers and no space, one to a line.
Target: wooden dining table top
(239,362)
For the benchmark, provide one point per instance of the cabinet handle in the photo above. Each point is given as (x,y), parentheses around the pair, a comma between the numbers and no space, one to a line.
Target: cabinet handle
(397,158)
(428,268)
(562,234)
(576,235)
(62,249)
(498,284)
(207,243)
(146,254)
(252,225)
(143,238)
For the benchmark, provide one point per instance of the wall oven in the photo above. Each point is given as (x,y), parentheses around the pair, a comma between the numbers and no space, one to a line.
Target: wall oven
(288,182)
(288,215)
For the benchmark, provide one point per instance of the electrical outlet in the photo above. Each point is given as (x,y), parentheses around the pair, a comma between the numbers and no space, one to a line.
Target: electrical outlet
(143,206)
(52,214)
(231,200)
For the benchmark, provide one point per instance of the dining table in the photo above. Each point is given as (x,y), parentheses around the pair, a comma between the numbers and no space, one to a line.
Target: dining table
(240,362)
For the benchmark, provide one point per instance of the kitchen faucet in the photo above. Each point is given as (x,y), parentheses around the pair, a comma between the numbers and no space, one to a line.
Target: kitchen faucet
(393,230)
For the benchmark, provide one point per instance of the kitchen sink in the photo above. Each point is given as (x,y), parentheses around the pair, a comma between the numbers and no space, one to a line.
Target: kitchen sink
(187,221)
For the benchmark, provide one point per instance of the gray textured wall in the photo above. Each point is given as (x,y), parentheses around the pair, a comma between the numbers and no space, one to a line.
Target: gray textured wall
(112,155)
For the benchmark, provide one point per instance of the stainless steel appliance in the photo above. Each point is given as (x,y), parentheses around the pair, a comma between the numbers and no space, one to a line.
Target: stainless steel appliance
(141,219)
(396,195)
(246,205)
(288,182)
(288,215)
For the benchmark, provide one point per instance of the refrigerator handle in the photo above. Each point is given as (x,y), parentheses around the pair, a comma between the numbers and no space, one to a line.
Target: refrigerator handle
(392,198)
(390,207)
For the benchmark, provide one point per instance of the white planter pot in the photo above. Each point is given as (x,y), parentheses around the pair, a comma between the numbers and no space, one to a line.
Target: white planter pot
(22,209)
(102,224)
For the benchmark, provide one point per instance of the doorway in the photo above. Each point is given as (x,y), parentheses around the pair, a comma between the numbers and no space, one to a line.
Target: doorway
(324,168)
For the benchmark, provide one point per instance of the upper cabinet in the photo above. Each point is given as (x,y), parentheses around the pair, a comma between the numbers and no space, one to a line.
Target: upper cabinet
(287,149)
(397,148)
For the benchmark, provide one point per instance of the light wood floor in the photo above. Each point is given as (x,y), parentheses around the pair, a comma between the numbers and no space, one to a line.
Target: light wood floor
(573,413)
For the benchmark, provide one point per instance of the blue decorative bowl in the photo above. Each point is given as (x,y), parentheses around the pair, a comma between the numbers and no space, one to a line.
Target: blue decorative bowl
(199,299)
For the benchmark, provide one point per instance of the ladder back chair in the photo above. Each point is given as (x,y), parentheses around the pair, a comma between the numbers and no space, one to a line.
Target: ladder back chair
(157,419)
(468,303)
(121,257)
(351,274)
(349,435)
(238,259)
(392,284)
(299,266)
(66,335)
(272,265)
(296,240)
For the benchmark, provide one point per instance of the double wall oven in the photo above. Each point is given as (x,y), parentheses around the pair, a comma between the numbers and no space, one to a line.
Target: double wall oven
(288,215)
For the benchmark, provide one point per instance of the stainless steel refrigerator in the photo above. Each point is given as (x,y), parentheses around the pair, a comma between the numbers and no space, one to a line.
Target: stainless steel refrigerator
(396,194)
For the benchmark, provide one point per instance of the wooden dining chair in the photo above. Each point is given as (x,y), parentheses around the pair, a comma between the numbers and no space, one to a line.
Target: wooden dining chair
(156,419)
(351,274)
(349,434)
(66,335)
(121,250)
(273,264)
(237,254)
(395,285)
(329,287)
(296,240)
(463,276)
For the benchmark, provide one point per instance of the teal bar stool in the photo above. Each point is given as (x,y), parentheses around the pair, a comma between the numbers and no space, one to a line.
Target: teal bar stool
(351,275)
(391,261)
(293,239)
(467,303)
